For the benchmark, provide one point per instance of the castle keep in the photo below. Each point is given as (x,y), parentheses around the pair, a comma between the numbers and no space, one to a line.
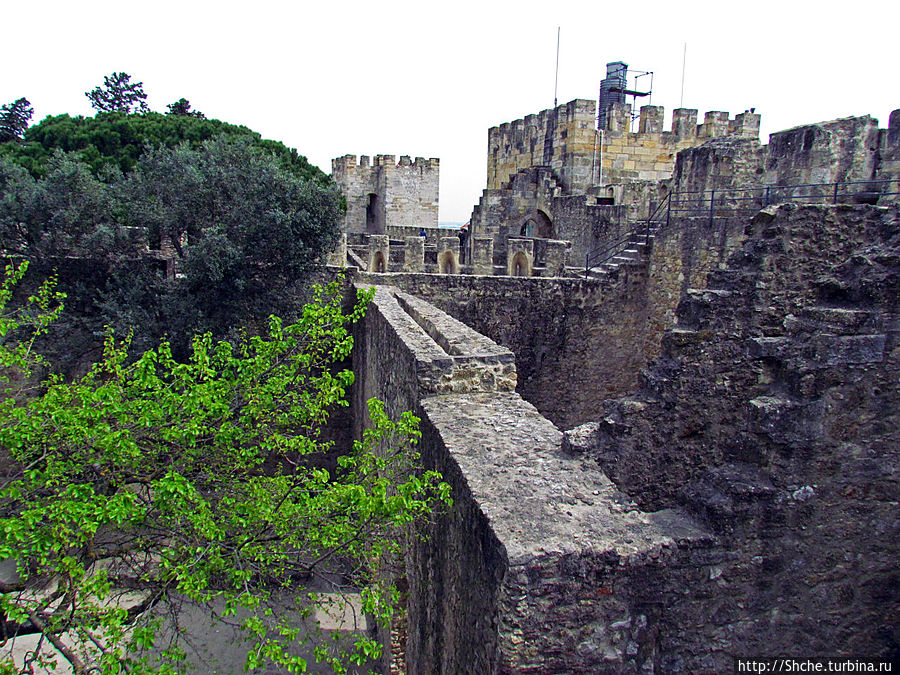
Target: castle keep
(387,193)
(679,453)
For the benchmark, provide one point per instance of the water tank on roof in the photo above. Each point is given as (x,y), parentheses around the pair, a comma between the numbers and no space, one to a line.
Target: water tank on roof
(612,89)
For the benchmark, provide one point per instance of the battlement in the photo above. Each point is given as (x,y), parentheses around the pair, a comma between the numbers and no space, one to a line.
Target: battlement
(349,162)
(566,139)
(716,123)
(382,191)
(577,110)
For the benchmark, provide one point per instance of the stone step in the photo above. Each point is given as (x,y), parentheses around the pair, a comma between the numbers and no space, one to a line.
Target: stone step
(841,321)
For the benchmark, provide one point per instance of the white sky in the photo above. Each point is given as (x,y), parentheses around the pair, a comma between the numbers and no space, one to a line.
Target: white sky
(428,79)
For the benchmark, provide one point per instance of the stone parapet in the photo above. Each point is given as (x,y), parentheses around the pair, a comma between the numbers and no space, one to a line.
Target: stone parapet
(483,255)
(414,258)
(338,257)
(379,253)
(555,257)
(519,257)
(448,255)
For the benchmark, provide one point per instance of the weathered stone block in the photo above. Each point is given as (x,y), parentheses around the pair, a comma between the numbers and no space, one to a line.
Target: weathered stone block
(414,256)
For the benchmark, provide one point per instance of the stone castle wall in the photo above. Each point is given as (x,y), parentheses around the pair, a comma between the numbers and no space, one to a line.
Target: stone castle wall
(497,584)
(851,149)
(388,193)
(595,550)
(572,336)
(565,139)
(776,392)
(561,138)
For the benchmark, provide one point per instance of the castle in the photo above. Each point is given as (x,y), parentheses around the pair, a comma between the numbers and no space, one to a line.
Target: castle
(664,456)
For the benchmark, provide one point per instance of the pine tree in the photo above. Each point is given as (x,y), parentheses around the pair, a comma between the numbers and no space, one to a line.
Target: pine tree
(14,118)
(118,94)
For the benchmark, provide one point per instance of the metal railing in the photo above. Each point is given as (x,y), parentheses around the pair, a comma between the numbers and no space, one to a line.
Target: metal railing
(734,202)
(660,215)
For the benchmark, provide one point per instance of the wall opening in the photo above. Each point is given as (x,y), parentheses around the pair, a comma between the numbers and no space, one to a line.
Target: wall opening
(537,224)
(373,222)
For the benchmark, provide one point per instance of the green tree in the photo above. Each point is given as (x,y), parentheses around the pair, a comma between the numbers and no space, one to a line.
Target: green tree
(183,107)
(244,231)
(117,139)
(118,94)
(189,484)
(17,195)
(14,119)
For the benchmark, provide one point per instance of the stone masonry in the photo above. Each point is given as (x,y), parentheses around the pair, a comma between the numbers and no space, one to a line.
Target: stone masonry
(741,502)
(685,455)
(388,193)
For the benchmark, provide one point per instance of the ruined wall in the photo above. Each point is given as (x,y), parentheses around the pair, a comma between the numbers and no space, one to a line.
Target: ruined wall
(388,193)
(889,153)
(772,415)
(842,150)
(760,454)
(850,149)
(579,341)
(531,569)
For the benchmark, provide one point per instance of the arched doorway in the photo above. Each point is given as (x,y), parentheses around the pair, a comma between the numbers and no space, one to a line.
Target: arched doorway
(536,224)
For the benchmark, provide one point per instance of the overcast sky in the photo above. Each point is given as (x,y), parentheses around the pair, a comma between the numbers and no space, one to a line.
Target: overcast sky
(428,79)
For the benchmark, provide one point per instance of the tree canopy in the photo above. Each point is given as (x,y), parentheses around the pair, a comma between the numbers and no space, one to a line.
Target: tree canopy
(141,489)
(14,119)
(243,230)
(183,107)
(118,140)
(118,94)
(252,230)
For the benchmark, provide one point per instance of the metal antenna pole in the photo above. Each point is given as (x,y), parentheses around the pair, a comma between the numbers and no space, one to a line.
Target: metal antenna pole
(683,63)
(556,80)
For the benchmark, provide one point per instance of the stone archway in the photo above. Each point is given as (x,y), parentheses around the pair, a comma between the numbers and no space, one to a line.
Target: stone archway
(536,224)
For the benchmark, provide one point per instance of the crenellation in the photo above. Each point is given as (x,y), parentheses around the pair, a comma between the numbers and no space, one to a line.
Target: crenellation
(619,117)
(388,193)
(684,122)
(715,124)
(745,125)
(651,119)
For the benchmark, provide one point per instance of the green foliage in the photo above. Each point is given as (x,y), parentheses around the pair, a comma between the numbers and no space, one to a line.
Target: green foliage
(191,484)
(17,195)
(118,94)
(14,119)
(118,140)
(20,329)
(183,107)
(252,231)
(245,231)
